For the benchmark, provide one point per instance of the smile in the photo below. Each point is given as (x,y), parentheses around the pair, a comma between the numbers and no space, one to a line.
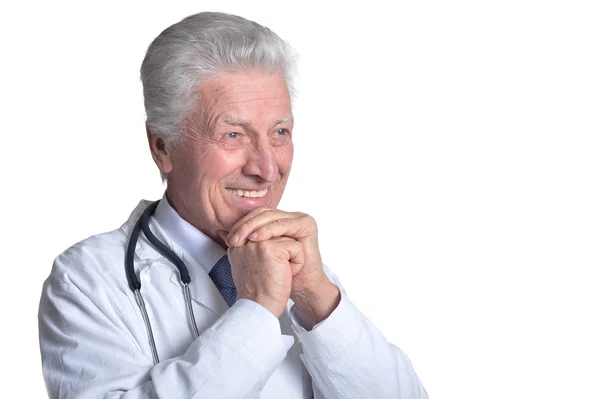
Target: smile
(248,193)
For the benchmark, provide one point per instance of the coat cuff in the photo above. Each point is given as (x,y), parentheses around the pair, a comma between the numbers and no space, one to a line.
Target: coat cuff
(331,336)
(269,347)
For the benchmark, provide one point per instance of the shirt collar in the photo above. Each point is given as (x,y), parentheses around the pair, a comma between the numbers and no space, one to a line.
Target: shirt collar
(200,247)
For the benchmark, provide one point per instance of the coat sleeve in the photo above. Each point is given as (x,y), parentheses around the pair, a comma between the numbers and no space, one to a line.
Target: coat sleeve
(85,354)
(347,357)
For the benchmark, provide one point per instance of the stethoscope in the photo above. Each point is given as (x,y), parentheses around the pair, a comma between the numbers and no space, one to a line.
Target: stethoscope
(134,283)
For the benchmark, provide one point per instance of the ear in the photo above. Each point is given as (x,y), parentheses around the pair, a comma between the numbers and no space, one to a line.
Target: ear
(161,153)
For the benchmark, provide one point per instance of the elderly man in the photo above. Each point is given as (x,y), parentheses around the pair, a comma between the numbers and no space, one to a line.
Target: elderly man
(223,295)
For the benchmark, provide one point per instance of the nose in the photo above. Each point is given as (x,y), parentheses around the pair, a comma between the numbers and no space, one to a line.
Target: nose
(262,161)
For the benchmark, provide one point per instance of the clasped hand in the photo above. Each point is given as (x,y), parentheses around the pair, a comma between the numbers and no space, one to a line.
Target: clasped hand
(274,256)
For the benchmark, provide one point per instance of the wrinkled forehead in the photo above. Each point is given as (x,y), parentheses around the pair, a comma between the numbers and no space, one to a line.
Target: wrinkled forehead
(244,98)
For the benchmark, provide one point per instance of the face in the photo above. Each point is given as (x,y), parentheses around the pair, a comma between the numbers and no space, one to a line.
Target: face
(236,153)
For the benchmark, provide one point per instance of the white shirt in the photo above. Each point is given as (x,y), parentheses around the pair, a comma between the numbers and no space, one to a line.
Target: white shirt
(94,343)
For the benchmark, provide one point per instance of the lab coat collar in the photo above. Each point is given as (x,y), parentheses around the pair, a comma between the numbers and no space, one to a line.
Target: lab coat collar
(200,246)
(202,288)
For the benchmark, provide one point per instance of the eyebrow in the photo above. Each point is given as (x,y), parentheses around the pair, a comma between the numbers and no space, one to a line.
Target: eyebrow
(236,122)
(243,122)
(283,120)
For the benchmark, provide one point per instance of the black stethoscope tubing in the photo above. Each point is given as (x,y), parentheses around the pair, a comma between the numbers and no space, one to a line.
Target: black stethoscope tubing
(143,225)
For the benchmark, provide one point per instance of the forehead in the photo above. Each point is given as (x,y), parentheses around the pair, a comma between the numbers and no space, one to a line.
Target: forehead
(252,96)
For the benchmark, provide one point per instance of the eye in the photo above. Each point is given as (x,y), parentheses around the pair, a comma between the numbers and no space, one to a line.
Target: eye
(232,135)
(281,132)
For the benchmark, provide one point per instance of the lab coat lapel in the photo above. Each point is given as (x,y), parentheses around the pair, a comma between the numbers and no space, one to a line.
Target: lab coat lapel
(202,288)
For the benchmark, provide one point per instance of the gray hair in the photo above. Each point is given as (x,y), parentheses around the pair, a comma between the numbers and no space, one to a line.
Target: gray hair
(195,49)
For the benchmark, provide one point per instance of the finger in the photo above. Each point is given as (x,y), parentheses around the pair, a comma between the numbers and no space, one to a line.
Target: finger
(295,252)
(244,219)
(298,228)
(223,235)
(239,236)
(282,239)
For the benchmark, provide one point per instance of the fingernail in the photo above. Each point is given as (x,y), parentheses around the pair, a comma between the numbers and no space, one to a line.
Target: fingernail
(235,238)
(253,236)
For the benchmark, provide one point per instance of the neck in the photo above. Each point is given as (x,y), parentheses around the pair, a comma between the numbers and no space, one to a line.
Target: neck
(185,213)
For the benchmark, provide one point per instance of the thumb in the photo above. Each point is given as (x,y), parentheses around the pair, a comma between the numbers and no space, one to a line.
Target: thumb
(223,234)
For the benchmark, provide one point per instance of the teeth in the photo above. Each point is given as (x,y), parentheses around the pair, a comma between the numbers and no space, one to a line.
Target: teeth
(249,193)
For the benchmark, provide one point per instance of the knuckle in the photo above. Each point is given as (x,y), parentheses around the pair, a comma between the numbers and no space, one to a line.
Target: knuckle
(305,216)
(252,247)
(313,222)
(297,246)
(262,230)
(309,218)
(263,246)
(309,222)
(271,250)
(276,222)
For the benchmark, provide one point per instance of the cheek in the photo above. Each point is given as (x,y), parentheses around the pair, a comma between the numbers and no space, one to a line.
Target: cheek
(189,157)
(220,164)
(205,167)
(285,156)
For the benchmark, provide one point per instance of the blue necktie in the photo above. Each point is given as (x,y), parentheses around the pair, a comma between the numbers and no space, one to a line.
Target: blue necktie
(221,276)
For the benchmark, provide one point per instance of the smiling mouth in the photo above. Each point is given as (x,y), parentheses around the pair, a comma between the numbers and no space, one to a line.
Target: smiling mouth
(248,193)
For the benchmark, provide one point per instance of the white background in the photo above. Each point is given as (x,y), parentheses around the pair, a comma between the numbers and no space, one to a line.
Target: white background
(449,152)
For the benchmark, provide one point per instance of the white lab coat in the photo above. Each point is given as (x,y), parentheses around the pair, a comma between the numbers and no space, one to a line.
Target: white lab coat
(94,342)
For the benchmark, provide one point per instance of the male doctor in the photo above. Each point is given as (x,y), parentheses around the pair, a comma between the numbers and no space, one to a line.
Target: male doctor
(271,320)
